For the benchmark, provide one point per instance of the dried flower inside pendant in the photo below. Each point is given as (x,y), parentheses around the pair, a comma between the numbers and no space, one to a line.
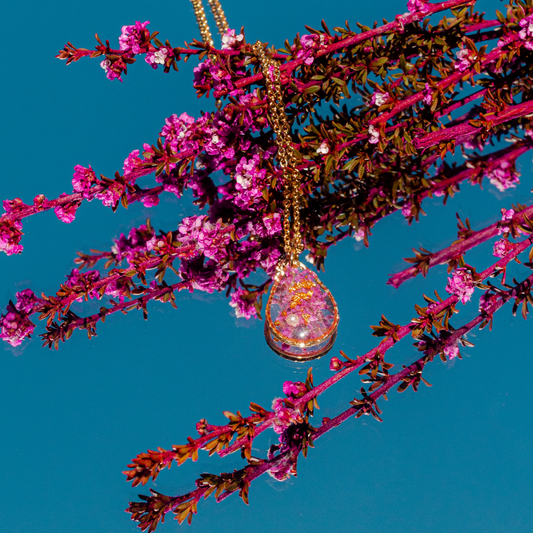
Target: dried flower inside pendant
(301,315)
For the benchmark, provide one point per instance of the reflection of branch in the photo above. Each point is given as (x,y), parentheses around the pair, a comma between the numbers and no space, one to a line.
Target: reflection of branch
(456,249)
(152,509)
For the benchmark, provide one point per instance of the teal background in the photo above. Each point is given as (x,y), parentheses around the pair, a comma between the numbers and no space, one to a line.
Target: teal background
(456,457)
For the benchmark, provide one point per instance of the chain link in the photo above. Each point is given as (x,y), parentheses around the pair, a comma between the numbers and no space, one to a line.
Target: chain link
(292,240)
(203,25)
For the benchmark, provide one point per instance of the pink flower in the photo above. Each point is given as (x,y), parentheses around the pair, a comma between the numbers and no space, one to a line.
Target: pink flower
(379,98)
(83,180)
(503,176)
(135,38)
(507,214)
(415,6)
(15,325)
(461,284)
(451,351)
(502,248)
(323,149)
(284,416)
(486,301)
(374,135)
(26,299)
(272,224)
(294,389)
(335,364)
(360,233)
(157,58)
(114,70)
(82,282)
(407,209)
(231,41)
(428,95)
(526,33)
(465,58)
(66,212)
(150,201)
(111,196)
(244,304)
(132,162)
(310,45)
(10,235)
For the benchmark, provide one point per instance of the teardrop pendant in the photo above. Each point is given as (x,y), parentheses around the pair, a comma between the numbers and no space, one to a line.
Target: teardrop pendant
(301,315)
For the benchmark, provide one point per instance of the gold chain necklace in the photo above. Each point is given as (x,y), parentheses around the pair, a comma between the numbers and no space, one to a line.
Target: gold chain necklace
(301,316)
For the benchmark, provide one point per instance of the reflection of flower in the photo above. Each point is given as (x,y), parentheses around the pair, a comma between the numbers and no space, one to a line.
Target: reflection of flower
(503,176)
(451,351)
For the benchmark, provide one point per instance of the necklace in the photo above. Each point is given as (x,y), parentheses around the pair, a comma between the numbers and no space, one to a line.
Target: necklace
(301,316)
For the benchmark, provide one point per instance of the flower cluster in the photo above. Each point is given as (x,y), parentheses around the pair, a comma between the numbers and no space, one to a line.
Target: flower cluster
(83,180)
(310,45)
(503,176)
(10,235)
(243,301)
(135,243)
(83,282)
(232,41)
(284,416)
(15,325)
(134,38)
(461,284)
(502,247)
(294,389)
(526,33)
(486,301)
(465,59)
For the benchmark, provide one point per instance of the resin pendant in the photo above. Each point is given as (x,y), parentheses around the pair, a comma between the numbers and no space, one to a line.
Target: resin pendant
(301,315)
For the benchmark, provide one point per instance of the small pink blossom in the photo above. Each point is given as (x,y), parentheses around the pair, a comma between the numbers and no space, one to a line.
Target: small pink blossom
(335,364)
(486,301)
(112,194)
(157,58)
(26,300)
(15,325)
(428,95)
(66,212)
(526,33)
(502,248)
(135,37)
(83,180)
(323,149)
(465,58)
(503,176)
(284,416)
(10,235)
(244,304)
(461,284)
(374,135)
(379,98)
(507,215)
(112,73)
(415,6)
(407,209)
(231,41)
(132,162)
(360,233)
(294,388)
(272,223)
(451,351)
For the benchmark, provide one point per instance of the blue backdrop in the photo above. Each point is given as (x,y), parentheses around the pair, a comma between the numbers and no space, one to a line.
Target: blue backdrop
(453,458)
